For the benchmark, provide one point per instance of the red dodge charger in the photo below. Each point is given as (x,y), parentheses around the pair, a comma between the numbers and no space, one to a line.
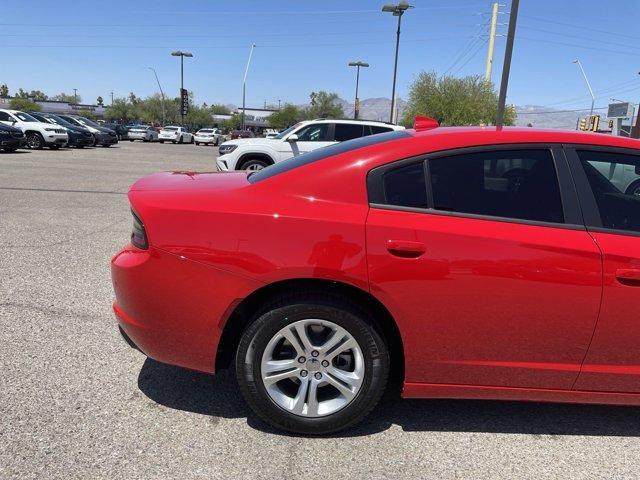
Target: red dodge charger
(467,262)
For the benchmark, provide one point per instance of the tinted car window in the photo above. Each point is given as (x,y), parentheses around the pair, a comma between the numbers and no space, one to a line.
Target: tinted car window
(405,186)
(375,129)
(4,117)
(347,131)
(314,133)
(519,184)
(615,182)
(321,153)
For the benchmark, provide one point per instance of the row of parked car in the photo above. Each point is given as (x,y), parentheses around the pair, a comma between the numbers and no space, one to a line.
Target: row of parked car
(37,130)
(175,134)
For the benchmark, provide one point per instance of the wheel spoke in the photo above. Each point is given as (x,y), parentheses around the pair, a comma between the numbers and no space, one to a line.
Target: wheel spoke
(342,388)
(301,330)
(348,344)
(274,366)
(276,377)
(312,401)
(301,396)
(293,340)
(333,340)
(351,379)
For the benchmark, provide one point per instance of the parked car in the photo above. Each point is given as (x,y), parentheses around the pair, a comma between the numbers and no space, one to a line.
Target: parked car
(38,134)
(255,154)
(105,137)
(121,130)
(242,134)
(209,136)
(79,137)
(146,133)
(175,134)
(475,263)
(11,138)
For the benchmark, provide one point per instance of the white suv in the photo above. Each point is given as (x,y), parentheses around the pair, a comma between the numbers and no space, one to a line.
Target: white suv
(257,153)
(175,135)
(38,134)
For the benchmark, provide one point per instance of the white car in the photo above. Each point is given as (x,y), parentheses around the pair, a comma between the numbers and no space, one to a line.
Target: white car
(257,153)
(209,136)
(175,135)
(38,134)
(146,133)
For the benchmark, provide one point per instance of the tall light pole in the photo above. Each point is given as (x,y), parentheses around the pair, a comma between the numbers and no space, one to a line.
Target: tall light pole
(593,98)
(358,64)
(181,54)
(111,98)
(75,96)
(397,11)
(161,94)
(244,82)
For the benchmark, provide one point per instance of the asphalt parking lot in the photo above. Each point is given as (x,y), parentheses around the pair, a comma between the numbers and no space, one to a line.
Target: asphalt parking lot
(77,402)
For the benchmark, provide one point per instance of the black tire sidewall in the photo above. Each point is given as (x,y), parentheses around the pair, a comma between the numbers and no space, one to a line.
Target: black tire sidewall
(256,338)
(40,139)
(249,162)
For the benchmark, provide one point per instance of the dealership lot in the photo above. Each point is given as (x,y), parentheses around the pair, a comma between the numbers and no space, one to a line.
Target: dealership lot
(77,402)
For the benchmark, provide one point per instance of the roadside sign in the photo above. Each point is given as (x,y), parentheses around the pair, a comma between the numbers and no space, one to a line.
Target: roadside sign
(620,110)
(184,101)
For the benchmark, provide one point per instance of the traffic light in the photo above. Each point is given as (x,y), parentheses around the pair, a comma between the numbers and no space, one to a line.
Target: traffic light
(582,125)
(594,122)
(610,124)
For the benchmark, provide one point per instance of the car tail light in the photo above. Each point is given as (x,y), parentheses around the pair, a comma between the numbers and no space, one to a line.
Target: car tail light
(138,234)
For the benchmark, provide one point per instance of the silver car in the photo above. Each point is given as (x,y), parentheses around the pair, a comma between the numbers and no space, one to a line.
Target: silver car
(146,133)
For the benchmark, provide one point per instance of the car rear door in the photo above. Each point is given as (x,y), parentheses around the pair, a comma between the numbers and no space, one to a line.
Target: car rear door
(484,261)
(606,183)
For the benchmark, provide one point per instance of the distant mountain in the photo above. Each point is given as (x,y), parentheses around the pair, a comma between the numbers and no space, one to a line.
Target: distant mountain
(545,117)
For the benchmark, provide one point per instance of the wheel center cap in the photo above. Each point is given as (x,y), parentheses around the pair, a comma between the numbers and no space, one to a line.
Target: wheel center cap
(313,365)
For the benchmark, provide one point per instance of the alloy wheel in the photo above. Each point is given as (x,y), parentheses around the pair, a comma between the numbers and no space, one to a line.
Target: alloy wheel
(312,368)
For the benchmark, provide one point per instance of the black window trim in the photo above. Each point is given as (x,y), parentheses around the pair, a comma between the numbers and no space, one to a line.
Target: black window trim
(572,213)
(591,213)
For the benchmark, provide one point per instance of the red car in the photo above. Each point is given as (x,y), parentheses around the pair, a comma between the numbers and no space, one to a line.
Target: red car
(467,262)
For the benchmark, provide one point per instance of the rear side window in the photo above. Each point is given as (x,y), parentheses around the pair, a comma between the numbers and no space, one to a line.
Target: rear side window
(615,181)
(405,186)
(519,184)
(347,131)
(375,129)
(314,133)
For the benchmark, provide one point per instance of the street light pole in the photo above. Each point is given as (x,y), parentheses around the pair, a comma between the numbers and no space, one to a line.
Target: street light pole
(75,96)
(181,54)
(397,11)
(593,98)
(244,83)
(161,94)
(358,64)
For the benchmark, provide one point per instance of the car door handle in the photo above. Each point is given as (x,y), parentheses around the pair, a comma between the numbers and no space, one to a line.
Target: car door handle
(405,248)
(628,276)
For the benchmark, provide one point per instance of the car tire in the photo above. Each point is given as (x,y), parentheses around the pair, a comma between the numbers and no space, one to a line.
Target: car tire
(197,144)
(352,378)
(54,147)
(217,142)
(633,189)
(161,141)
(253,164)
(9,149)
(106,145)
(35,141)
(181,139)
(79,146)
(192,140)
(131,140)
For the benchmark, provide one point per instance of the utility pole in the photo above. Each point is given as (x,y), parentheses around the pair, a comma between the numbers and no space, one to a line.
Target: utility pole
(279,104)
(492,41)
(506,67)
(75,96)
(111,97)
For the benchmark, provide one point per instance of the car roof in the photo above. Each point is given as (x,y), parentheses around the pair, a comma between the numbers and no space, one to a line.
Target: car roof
(352,121)
(488,135)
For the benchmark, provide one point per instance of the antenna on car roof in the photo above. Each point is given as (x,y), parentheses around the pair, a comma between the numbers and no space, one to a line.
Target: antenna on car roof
(425,123)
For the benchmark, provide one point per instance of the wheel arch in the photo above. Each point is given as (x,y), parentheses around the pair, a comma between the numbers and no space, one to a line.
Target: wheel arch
(252,306)
(253,156)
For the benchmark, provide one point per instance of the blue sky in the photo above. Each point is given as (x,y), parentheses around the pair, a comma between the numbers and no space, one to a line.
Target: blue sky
(303,46)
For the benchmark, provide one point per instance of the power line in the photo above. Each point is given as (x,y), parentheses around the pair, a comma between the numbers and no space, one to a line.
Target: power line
(586,47)
(581,27)
(473,55)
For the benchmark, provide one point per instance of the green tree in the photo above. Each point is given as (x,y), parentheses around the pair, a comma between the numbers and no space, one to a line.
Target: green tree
(24,104)
(4,90)
(88,114)
(288,115)
(65,97)
(121,110)
(99,100)
(324,105)
(234,123)
(454,101)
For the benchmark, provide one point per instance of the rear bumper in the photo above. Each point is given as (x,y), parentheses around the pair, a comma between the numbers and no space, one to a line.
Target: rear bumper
(174,309)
